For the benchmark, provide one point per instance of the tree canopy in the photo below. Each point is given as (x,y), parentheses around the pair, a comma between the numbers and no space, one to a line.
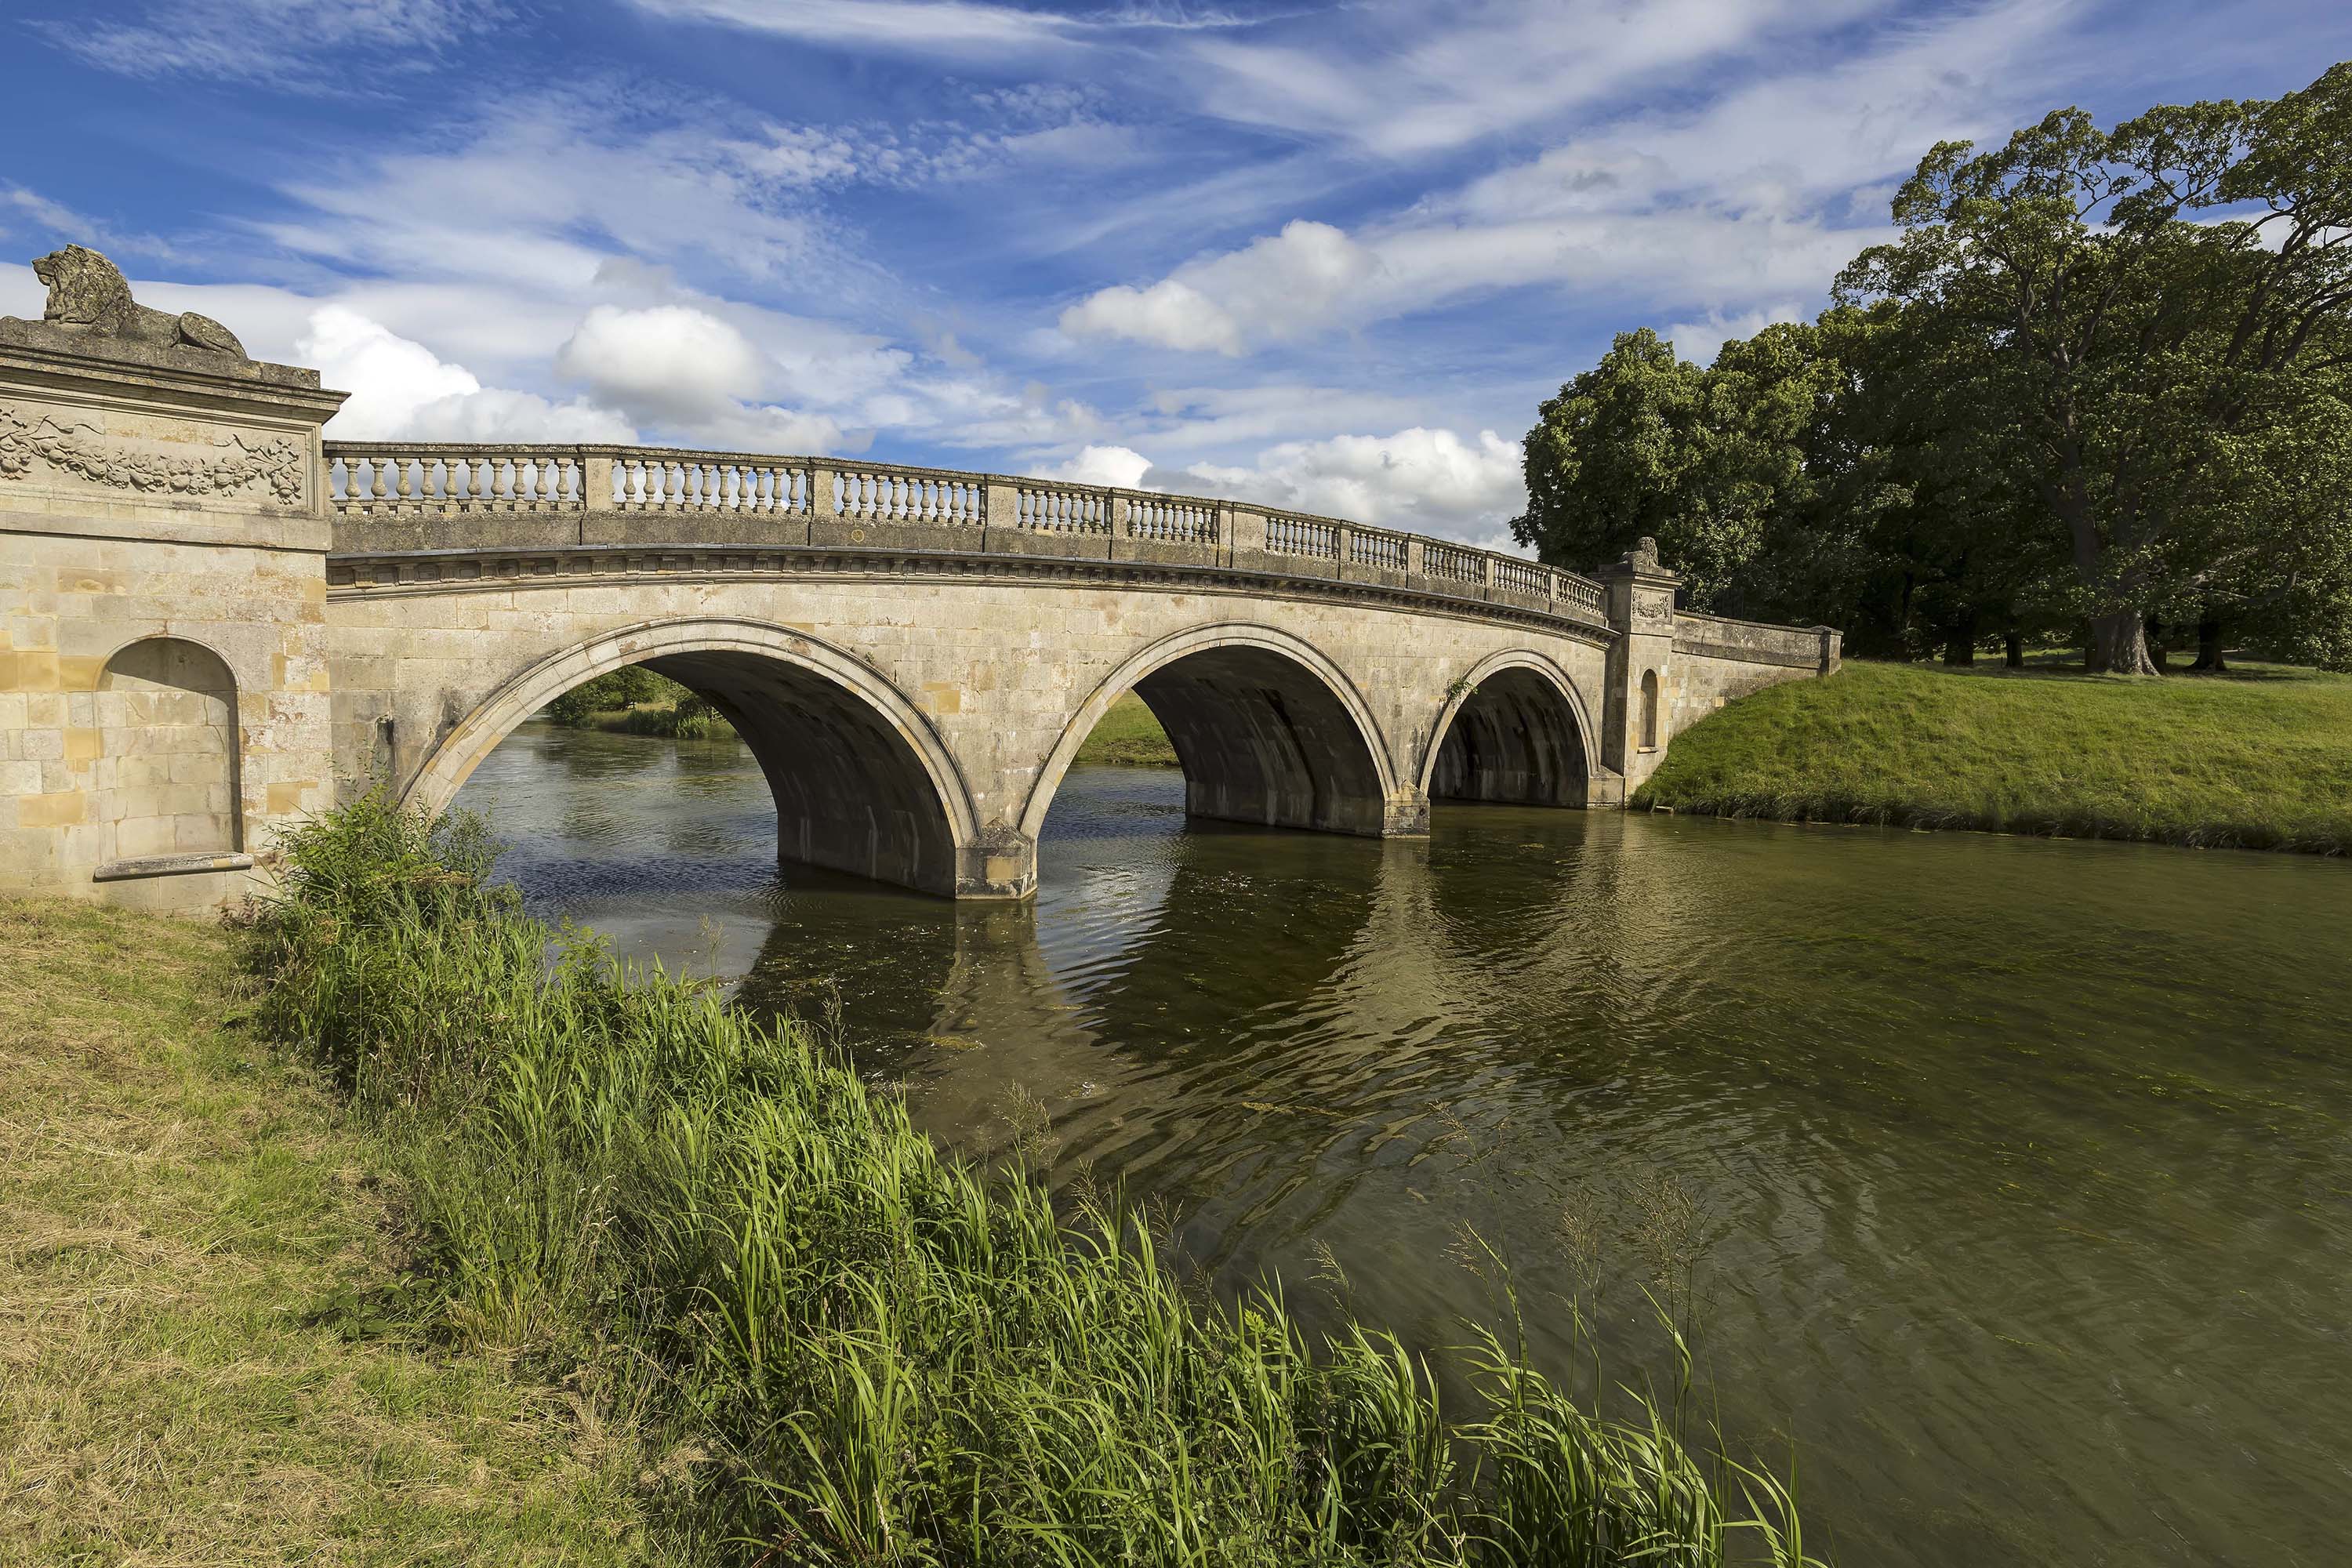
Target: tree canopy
(2100,379)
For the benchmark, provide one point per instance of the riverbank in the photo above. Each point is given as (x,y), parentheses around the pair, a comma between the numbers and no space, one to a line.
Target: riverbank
(2260,758)
(1127,737)
(875,1352)
(201,1289)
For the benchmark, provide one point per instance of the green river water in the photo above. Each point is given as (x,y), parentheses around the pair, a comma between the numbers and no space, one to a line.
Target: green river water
(2018,1174)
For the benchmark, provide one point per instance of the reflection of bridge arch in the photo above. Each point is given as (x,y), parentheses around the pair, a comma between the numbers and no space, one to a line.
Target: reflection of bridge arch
(1269,730)
(1514,729)
(861,782)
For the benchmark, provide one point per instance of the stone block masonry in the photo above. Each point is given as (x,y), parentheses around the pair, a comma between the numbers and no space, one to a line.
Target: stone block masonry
(211,623)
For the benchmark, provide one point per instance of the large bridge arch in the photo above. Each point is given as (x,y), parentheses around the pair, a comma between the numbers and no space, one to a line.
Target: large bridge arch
(863,782)
(1514,729)
(1268,727)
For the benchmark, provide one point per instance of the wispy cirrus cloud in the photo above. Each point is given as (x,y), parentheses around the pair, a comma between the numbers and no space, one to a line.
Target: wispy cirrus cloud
(306,45)
(1325,256)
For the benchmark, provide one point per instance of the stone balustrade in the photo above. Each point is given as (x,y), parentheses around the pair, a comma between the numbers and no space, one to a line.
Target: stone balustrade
(450,496)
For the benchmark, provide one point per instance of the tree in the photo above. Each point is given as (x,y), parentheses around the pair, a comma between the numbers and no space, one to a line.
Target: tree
(2152,304)
(1708,462)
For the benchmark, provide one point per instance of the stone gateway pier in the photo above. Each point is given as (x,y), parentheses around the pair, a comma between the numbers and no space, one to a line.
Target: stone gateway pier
(213,622)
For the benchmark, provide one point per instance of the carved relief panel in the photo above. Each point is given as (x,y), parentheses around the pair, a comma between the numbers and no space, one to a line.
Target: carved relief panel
(49,449)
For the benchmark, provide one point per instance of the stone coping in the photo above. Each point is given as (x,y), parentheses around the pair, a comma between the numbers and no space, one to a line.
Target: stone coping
(43,337)
(170,866)
(573,492)
(375,573)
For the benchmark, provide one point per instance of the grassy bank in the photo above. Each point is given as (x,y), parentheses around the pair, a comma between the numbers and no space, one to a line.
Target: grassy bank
(866,1352)
(2258,758)
(202,1357)
(1128,736)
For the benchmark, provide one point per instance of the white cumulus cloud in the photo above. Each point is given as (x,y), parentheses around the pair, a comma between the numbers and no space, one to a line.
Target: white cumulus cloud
(1279,287)
(668,364)
(1421,479)
(1122,467)
(400,390)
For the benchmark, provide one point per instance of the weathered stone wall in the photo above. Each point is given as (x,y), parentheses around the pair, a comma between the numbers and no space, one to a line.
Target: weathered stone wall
(982,677)
(1718,661)
(160,511)
(210,625)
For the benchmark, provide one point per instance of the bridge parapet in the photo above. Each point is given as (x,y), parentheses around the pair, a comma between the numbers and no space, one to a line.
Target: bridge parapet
(393,495)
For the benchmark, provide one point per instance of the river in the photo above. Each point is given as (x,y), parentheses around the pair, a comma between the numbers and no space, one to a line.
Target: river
(2009,1181)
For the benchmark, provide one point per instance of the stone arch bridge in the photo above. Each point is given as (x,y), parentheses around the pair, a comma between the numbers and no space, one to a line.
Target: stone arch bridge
(216,622)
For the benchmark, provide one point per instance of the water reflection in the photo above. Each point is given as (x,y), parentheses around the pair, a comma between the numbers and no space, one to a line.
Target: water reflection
(2022,1169)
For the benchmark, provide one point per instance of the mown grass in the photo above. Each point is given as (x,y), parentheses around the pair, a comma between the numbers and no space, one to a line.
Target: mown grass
(1128,736)
(869,1352)
(2258,758)
(201,1358)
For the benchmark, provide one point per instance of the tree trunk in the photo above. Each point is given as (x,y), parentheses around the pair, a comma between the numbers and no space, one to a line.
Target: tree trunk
(2209,646)
(2119,645)
(2012,642)
(1960,639)
(2152,632)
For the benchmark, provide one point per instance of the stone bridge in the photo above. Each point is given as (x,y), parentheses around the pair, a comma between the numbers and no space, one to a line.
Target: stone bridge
(212,621)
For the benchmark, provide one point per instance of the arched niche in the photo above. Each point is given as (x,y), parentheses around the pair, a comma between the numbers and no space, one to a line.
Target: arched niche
(164,782)
(1649,711)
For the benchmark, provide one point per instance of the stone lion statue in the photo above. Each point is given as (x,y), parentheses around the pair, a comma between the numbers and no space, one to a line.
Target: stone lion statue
(88,294)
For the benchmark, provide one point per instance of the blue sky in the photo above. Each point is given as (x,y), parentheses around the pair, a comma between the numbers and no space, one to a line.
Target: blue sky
(1326,256)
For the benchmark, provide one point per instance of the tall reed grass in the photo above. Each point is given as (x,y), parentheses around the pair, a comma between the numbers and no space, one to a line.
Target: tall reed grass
(884,1356)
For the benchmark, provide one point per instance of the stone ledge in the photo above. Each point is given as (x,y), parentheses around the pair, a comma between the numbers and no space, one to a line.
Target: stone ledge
(402,574)
(46,338)
(1732,653)
(170,866)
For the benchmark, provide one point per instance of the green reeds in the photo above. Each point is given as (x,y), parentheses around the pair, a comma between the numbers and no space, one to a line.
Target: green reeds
(886,1355)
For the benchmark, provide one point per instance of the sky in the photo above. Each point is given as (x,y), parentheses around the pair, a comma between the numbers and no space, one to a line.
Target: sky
(1326,257)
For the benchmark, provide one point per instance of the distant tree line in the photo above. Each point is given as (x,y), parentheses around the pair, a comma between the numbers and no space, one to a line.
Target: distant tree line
(2100,387)
(639,701)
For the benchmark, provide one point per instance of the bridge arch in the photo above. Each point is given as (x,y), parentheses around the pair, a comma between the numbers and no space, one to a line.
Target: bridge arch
(1514,729)
(863,783)
(1269,730)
